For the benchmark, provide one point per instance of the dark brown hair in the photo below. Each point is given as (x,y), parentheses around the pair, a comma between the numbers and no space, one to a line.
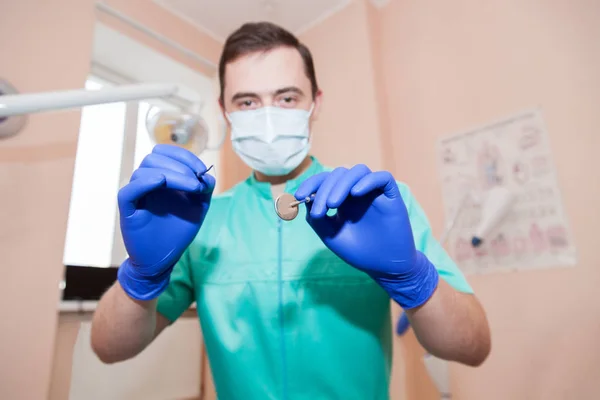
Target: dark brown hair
(262,37)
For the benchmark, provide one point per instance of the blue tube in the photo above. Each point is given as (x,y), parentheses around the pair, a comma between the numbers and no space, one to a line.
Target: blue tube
(402,325)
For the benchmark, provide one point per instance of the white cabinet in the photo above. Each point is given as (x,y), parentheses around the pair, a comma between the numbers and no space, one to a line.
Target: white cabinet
(169,369)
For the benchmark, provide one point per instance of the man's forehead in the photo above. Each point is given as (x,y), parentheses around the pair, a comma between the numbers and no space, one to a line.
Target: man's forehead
(266,71)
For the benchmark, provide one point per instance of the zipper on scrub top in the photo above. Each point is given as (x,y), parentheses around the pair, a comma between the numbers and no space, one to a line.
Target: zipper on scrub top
(281,310)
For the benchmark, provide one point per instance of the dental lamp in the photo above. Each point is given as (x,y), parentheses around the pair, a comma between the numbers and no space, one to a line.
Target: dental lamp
(185,129)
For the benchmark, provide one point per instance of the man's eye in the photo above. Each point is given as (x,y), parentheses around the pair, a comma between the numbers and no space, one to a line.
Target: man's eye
(287,101)
(245,104)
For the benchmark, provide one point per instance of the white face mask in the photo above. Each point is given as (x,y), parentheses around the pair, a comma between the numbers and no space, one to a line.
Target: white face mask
(271,140)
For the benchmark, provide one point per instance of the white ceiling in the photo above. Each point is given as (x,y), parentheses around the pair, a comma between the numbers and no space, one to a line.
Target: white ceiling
(221,17)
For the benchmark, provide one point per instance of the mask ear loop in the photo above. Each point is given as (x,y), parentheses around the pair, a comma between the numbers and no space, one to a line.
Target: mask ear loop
(310,136)
(221,139)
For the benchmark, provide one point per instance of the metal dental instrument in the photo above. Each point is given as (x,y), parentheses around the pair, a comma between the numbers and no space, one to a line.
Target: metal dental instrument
(305,200)
(201,174)
(286,205)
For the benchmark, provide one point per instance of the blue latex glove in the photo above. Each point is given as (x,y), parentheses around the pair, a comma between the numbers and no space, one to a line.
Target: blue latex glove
(161,210)
(370,230)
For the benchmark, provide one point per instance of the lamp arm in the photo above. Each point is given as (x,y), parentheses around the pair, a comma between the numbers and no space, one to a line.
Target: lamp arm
(17,104)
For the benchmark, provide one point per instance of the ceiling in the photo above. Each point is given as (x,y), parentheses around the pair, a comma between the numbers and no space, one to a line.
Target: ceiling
(221,17)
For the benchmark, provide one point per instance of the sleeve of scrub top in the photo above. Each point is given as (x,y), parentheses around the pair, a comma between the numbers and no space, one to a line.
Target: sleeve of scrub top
(179,295)
(429,245)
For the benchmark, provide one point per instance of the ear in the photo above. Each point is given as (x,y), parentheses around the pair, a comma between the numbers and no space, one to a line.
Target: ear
(318,100)
(223,112)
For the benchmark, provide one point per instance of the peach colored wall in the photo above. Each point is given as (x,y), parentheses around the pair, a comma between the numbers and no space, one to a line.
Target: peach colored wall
(45,46)
(165,23)
(467,62)
(348,130)
(50,49)
(449,67)
(380,85)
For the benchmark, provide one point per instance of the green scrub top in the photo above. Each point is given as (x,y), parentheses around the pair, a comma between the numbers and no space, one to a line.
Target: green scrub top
(282,316)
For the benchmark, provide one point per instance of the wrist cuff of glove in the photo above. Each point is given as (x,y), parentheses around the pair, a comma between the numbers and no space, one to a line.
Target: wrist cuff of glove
(413,290)
(141,287)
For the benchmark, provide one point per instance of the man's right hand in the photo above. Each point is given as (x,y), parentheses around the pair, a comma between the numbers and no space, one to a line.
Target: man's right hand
(161,210)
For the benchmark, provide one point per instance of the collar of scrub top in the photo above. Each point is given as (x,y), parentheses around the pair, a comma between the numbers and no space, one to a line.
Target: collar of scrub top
(264,188)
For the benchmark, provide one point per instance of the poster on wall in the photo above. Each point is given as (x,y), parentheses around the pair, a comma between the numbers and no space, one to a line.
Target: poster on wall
(513,153)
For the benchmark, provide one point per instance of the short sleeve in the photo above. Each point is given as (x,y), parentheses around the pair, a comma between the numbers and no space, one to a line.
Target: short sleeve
(179,294)
(428,245)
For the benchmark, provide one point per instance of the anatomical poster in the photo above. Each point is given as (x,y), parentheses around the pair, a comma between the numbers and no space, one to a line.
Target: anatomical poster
(514,153)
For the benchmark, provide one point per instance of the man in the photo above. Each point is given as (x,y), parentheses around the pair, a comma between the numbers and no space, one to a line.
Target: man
(289,309)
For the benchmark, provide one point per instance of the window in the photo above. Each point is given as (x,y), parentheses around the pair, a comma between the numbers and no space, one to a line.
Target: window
(92,214)
(113,141)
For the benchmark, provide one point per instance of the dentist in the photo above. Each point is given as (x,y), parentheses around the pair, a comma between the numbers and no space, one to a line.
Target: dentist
(289,309)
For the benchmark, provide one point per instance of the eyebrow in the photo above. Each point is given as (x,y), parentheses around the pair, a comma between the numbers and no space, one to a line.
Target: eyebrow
(292,89)
(277,92)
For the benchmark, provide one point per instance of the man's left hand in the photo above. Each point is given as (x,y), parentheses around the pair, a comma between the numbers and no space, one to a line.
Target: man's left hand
(370,230)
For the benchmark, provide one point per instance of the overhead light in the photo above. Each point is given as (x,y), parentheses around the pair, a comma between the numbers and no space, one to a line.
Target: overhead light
(186,129)
(181,129)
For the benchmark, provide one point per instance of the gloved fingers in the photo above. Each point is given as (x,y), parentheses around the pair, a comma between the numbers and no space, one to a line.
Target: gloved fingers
(154,160)
(341,190)
(182,155)
(173,180)
(310,185)
(136,189)
(380,180)
(325,226)
(319,206)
